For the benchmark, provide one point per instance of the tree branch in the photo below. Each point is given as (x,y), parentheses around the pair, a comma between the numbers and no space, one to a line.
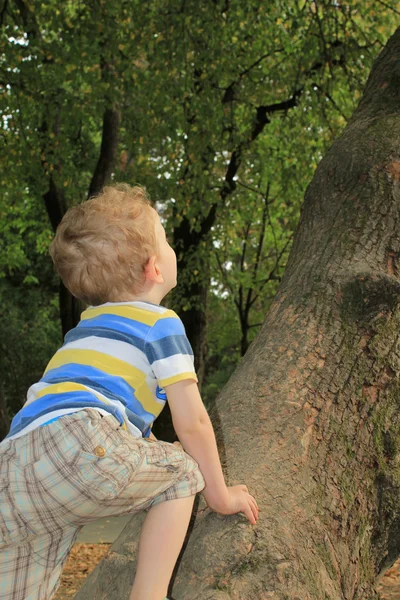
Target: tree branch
(28,20)
(261,120)
(3,12)
(230,90)
(109,137)
(259,248)
(228,285)
(389,7)
(108,150)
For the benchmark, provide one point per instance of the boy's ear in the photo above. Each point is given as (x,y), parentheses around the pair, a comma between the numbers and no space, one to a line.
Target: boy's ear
(152,270)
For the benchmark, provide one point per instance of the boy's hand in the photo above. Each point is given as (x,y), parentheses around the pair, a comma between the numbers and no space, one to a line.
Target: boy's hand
(239,500)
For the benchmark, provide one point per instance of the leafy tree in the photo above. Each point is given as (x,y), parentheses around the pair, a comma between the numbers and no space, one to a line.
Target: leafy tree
(310,418)
(202,103)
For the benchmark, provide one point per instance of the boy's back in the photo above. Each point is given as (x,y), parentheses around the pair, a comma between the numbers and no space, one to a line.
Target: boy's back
(117,361)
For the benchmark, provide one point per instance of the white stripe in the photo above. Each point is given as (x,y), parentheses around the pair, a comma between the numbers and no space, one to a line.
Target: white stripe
(115,348)
(173,365)
(35,389)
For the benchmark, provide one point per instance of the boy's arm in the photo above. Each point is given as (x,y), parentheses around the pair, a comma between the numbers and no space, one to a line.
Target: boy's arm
(196,434)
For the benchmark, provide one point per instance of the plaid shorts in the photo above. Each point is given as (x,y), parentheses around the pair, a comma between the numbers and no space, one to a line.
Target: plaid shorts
(60,476)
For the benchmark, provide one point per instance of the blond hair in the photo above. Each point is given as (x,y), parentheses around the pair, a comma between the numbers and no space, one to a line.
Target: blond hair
(102,245)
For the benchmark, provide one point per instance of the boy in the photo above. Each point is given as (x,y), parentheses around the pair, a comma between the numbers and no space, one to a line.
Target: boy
(81,447)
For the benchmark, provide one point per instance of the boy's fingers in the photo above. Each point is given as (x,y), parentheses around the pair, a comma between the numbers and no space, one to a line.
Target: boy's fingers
(254,502)
(249,512)
(255,509)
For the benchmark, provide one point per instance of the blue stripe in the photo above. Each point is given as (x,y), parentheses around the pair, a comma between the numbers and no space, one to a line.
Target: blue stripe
(168,346)
(141,423)
(121,324)
(51,402)
(95,387)
(52,420)
(83,332)
(166,327)
(109,385)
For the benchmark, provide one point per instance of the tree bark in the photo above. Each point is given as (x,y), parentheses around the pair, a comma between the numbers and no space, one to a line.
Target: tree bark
(310,419)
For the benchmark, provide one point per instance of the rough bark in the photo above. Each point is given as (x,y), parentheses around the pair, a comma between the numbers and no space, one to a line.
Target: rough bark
(310,419)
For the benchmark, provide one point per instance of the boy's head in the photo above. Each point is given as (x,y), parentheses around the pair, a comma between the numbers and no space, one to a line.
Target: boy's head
(112,248)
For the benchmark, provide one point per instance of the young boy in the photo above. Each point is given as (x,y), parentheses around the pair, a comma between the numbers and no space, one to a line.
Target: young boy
(81,447)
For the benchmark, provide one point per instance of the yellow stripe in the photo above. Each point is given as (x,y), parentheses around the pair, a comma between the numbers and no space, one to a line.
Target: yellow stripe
(60,388)
(147,400)
(168,315)
(175,378)
(129,312)
(111,366)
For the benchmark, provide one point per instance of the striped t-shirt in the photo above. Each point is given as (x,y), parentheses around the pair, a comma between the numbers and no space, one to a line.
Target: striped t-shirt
(116,360)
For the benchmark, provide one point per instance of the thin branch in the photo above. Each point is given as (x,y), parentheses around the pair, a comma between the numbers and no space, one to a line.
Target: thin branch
(261,119)
(246,236)
(110,132)
(259,249)
(3,12)
(389,7)
(230,90)
(325,93)
(29,21)
(322,37)
(248,187)
(271,275)
(221,268)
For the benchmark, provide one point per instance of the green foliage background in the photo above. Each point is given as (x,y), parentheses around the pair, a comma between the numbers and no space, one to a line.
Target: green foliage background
(190,80)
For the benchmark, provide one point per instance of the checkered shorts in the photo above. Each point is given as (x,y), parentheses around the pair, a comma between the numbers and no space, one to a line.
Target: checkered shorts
(60,476)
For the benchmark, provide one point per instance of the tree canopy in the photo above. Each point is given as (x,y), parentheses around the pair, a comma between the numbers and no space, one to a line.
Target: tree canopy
(221,109)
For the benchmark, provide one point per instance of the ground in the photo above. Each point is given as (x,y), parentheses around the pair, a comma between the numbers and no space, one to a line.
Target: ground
(81,562)
(390,588)
(84,558)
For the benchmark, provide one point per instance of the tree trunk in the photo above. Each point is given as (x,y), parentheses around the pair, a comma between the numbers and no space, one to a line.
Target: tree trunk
(194,289)
(195,321)
(310,418)
(4,419)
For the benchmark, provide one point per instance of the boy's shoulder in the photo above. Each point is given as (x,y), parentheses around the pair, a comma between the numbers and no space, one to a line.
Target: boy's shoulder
(126,316)
(167,323)
(135,310)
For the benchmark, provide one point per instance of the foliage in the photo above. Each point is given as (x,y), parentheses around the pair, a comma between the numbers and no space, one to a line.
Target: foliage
(220,102)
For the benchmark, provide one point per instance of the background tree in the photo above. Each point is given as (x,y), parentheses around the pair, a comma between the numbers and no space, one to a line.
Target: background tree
(200,103)
(310,419)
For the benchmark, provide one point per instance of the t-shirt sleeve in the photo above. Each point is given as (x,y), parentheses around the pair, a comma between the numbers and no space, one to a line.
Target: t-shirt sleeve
(168,350)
